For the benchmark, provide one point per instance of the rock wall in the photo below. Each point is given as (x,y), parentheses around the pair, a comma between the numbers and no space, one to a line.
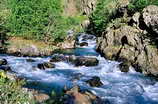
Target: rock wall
(134,43)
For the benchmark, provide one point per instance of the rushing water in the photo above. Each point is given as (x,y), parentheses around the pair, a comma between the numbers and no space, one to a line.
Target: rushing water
(118,88)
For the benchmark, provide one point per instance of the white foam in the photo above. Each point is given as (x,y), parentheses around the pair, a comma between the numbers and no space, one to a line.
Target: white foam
(118,88)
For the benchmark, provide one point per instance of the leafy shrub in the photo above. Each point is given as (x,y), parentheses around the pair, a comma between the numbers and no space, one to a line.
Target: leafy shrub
(39,19)
(31,17)
(102,15)
(11,92)
(138,5)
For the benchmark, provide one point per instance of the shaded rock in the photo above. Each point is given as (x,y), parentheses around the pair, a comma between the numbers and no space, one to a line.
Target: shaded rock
(58,58)
(30,60)
(5,68)
(86,61)
(46,65)
(88,37)
(150,17)
(124,67)
(75,96)
(3,62)
(77,60)
(83,44)
(94,82)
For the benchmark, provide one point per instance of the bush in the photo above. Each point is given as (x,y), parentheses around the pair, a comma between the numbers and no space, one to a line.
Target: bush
(32,17)
(138,5)
(102,15)
(11,92)
(39,19)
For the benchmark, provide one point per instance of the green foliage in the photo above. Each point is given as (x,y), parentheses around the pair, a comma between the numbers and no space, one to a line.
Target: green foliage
(106,11)
(39,19)
(102,15)
(11,92)
(138,5)
(31,17)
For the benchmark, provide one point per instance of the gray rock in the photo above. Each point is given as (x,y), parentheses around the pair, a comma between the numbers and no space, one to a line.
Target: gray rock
(86,61)
(124,67)
(5,68)
(94,82)
(3,62)
(83,44)
(150,16)
(46,65)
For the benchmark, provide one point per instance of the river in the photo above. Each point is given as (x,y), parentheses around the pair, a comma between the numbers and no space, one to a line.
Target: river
(118,87)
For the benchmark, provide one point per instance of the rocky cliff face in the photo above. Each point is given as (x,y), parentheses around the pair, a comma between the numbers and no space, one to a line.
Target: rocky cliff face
(134,43)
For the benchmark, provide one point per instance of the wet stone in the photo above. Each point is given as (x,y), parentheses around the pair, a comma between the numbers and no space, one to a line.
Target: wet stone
(86,61)
(94,82)
(46,65)
(3,62)
(30,60)
(58,58)
(83,44)
(5,68)
(124,67)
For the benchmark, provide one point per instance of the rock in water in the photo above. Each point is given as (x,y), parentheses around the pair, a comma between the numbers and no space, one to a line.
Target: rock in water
(58,58)
(86,61)
(75,96)
(3,62)
(94,82)
(5,68)
(45,65)
(83,44)
(124,67)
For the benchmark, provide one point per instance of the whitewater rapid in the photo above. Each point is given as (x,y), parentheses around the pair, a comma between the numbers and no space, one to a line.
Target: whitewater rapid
(118,87)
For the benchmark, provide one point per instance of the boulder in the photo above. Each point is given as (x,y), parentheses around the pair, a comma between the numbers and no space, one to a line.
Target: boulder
(86,61)
(58,58)
(150,18)
(75,96)
(3,62)
(94,82)
(45,65)
(5,68)
(124,67)
(83,44)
